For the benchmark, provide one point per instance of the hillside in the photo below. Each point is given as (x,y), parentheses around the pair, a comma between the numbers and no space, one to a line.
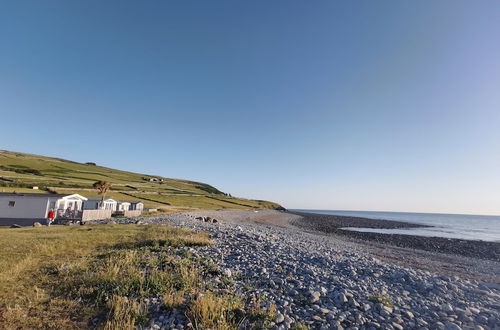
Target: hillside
(20,172)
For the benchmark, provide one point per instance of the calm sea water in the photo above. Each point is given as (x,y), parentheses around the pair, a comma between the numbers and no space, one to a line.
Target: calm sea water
(464,226)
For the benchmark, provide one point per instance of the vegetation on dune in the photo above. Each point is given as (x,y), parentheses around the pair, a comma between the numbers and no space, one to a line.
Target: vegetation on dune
(381,299)
(19,170)
(99,276)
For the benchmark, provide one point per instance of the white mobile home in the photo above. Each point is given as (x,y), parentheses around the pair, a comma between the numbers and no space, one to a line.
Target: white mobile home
(129,209)
(15,207)
(123,206)
(97,204)
(136,206)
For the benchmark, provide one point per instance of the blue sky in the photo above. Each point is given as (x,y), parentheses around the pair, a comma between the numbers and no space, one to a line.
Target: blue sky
(360,105)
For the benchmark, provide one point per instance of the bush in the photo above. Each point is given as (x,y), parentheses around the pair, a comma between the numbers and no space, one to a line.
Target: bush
(381,299)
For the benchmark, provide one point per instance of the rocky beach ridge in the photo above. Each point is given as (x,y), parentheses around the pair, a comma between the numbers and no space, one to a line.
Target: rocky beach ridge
(317,281)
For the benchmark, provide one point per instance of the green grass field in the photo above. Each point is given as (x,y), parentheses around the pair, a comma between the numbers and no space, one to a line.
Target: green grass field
(20,171)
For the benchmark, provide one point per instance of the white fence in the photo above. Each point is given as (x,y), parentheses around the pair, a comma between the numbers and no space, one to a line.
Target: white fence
(88,215)
(132,213)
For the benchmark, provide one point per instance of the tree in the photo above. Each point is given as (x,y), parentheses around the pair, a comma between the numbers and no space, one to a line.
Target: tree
(102,188)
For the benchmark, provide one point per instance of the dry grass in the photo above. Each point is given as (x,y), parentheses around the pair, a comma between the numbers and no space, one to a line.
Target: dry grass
(60,277)
(211,312)
(99,276)
(174,299)
(124,313)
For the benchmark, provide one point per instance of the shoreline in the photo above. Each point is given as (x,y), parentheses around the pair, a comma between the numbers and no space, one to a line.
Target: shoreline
(336,281)
(418,253)
(318,280)
(332,224)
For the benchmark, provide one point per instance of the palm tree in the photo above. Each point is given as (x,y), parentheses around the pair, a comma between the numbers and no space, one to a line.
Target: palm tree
(102,188)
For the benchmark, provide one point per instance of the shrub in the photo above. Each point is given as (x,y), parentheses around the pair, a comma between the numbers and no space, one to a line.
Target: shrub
(382,299)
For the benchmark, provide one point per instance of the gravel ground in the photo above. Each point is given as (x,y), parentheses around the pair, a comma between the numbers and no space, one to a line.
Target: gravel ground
(327,282)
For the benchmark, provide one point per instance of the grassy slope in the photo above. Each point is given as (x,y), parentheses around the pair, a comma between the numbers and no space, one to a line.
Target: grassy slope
(65,176)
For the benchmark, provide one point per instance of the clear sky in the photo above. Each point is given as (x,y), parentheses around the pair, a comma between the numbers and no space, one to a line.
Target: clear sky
(354,105)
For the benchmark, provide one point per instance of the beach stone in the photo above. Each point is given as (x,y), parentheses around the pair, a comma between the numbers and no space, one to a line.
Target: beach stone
(323,291)
(397,326)
(288,321)
(314,296)
(37,224)
(474,310)
(341,298)
(279,318)
(353,303)
(408,314)
(452,326)
(447,308)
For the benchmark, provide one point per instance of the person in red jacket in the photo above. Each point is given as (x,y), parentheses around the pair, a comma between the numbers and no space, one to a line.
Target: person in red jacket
(50,217)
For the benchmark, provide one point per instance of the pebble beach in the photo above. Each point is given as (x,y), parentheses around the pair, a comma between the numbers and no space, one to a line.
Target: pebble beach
(321,277)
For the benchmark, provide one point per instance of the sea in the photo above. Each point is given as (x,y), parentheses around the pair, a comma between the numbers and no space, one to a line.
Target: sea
(463,226)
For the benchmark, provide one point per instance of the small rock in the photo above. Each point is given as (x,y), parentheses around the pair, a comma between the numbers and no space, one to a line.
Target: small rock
(314,297)
(474,310)
(324,310)
(447,308)
(452,326)
(341,298)
(387,309)
(408,314)
(397,326)
(353,302)
(279,318)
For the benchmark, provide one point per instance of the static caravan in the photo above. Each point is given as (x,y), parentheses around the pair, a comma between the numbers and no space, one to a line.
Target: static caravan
(123,206)
(96,204)
(136,206)
(27,208)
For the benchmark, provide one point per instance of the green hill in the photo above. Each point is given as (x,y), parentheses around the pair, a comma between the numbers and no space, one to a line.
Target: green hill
(20,172)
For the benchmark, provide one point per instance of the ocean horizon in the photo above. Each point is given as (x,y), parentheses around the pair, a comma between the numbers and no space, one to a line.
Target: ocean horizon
(461,226)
